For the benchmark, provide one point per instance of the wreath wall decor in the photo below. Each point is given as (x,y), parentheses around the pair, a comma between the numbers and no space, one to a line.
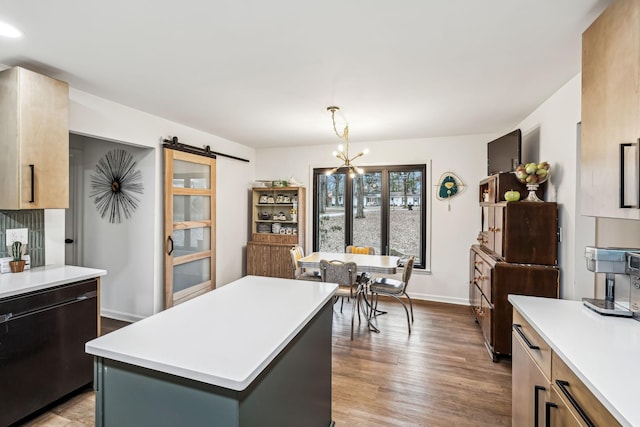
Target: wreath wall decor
(113,184)
(449,185)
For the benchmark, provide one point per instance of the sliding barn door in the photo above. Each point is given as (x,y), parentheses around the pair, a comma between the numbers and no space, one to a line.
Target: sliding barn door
(189,225)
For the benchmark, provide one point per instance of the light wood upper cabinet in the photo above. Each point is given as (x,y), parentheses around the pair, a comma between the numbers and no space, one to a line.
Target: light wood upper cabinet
(34,138)
(611,112)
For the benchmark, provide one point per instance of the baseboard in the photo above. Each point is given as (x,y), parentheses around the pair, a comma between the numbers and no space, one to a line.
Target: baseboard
(437,298)
(125,317)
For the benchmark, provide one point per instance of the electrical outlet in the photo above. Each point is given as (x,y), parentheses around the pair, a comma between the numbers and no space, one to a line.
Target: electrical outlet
(17,235)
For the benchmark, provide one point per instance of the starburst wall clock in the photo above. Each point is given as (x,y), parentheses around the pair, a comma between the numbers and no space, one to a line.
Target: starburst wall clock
(113,185)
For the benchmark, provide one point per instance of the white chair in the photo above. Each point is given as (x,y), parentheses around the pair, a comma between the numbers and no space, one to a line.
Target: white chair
(296,252)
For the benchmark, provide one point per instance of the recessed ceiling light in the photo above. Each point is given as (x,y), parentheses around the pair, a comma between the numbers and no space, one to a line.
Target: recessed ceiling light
(7,30)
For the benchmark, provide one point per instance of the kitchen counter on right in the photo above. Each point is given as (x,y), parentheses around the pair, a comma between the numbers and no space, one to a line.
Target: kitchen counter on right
(602,351)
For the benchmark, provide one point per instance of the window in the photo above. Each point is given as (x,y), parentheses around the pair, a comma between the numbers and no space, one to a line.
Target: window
(385,208)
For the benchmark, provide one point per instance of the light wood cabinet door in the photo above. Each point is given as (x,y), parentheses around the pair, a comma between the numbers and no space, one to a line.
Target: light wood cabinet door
(530,387)
(558,412)
(610,110)
(34,135)
(269,260)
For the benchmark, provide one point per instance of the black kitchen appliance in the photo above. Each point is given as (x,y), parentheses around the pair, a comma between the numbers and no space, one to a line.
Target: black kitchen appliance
(42,338)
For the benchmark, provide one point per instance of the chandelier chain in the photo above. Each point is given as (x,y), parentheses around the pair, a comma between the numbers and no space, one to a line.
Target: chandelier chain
(343,153)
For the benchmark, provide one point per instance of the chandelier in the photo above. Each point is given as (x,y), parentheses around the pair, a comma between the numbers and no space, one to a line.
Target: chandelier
(343,150)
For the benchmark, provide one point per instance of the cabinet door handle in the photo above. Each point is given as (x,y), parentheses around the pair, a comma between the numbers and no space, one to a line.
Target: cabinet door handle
(536,403)
(623,204)
(547,412)
(563,386)
(518,329)
(33,183)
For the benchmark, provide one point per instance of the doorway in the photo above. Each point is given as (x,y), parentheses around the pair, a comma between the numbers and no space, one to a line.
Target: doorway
(73,215)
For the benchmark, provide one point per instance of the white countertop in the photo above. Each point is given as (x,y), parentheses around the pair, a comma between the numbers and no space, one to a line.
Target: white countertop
(384,264)
(603,351)
(225,337)
(44,277)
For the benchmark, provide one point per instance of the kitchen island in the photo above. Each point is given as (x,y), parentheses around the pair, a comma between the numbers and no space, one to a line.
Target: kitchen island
(254,352)
(591,358)
(47,314)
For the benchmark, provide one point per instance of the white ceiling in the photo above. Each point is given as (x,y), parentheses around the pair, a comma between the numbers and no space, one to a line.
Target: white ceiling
(262,73)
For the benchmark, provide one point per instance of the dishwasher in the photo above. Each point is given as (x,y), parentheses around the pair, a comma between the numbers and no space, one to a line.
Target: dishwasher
(42,338)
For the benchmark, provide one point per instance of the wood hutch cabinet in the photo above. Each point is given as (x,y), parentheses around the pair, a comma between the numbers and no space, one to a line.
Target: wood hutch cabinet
(516,254)
(277,224)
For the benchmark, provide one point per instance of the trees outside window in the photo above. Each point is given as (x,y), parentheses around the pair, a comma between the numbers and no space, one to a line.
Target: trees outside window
(384,208)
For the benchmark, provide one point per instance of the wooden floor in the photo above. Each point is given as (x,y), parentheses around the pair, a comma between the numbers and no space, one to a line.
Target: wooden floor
(440,375)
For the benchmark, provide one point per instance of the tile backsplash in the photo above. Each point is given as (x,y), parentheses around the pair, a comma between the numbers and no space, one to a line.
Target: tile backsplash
(34,221)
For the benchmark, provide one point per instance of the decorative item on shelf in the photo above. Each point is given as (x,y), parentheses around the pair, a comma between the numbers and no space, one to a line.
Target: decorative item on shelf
(293,183)
(271,200)
(294,214)
(279,183)
(275,227)
(17,252)
(449,185)
(512,196)
(280,198)
(286,199)
(263,199)
(263,228)
(533,174)
(485,195)
(280,216)
(264,215)
(343,151)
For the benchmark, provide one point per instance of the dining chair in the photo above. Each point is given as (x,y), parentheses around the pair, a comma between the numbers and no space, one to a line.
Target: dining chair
(393,288)
(296,252)
(365,250)
(345,275)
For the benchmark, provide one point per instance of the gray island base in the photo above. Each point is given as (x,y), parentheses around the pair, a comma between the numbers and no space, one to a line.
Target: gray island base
(293,389)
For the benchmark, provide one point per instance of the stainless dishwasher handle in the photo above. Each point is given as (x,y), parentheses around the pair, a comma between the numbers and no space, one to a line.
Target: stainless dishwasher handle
(88,295)
(5,317)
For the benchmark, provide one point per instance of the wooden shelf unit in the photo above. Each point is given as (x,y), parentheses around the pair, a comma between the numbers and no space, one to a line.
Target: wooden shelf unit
(268,252)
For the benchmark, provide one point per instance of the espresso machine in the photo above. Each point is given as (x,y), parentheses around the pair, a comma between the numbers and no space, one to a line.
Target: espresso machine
(633,270)
(610,261)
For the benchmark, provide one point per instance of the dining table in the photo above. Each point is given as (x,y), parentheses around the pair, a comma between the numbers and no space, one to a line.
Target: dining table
(382,264)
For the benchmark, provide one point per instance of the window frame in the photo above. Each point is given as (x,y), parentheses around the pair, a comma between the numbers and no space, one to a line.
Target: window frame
(385,215)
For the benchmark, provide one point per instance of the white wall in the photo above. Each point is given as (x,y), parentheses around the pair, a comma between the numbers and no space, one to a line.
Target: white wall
(125,250)
(93,116)
(550,133)
(452,232)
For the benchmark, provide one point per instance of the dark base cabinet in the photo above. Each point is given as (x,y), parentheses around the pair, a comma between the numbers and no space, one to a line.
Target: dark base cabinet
(293,390)
(42,355)
(491,281)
